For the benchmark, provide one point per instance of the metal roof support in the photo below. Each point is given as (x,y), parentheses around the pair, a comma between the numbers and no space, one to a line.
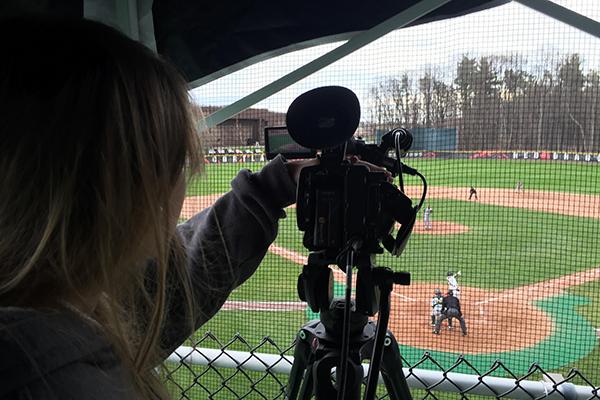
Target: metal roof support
(356,42)
(565,15)
(132,17)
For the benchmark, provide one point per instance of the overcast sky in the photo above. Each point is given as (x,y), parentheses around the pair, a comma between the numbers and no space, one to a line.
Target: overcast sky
(438,46)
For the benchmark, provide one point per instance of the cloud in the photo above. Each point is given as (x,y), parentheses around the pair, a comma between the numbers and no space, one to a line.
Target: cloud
(505,30)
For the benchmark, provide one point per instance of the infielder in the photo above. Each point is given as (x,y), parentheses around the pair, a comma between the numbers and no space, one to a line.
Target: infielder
(453,283)
(427,218)
(519,187)
(473,192)
(436,306)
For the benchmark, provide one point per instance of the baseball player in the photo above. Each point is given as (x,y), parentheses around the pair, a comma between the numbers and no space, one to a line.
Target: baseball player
(451,309)
(427,218)
(436,306)
(453,283)
(519,187)
(473,192)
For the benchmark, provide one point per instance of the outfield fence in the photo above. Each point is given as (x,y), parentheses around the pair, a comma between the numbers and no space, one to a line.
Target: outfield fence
(497,381)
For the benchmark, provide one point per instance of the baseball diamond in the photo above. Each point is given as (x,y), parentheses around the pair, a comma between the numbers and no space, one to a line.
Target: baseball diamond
(519,323)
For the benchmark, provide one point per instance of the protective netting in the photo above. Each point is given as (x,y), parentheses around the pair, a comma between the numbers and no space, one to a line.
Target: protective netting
(504,106)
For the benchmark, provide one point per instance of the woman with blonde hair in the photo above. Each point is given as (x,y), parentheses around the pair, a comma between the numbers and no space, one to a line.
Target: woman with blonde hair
(97,284)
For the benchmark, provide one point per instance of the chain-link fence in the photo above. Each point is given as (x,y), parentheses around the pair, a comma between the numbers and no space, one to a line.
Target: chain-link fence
(218,372)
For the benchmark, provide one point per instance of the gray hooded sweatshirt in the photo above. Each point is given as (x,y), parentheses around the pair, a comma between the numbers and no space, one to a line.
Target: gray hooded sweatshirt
(61,355)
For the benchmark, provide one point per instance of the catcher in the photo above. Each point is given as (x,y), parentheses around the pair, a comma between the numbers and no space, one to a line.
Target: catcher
(436,306)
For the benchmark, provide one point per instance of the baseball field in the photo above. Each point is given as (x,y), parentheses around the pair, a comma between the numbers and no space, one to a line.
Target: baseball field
(529,262)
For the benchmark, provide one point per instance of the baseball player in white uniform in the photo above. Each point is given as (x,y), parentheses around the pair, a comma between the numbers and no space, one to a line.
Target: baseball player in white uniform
(453,283)
(427,218)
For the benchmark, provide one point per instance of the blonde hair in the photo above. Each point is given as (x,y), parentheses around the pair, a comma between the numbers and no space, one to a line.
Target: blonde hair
(95,133)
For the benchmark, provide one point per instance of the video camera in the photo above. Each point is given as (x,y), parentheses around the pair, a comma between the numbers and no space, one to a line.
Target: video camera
(339,201)
(346,209)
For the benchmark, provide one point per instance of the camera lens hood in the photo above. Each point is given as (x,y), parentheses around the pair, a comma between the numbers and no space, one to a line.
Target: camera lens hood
(323,117)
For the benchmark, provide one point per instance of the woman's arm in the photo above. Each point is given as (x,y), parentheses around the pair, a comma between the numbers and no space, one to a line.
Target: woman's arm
(225,243)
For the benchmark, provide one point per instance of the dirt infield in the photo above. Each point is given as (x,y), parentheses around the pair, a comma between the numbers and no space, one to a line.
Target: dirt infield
(441,228)
(578,205)
(497,321)
(195,204)
(499,326)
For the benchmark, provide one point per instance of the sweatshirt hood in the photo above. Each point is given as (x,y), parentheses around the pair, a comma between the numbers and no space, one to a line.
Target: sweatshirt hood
(35,343)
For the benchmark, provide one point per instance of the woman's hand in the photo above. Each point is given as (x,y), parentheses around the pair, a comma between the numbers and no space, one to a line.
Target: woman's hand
(295,166)
(372,167)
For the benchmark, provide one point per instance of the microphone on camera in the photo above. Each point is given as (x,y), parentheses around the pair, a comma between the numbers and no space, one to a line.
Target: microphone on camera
(323,117)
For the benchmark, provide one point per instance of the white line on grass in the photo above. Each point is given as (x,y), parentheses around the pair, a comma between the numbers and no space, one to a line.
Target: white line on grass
(403,297)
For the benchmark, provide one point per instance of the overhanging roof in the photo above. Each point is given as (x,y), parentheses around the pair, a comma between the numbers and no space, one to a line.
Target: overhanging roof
(210,39)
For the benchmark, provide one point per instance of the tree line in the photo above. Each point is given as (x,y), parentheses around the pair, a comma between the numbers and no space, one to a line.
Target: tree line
(498,103)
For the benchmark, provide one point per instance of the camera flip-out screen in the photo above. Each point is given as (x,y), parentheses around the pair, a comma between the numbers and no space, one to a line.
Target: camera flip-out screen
(279,141)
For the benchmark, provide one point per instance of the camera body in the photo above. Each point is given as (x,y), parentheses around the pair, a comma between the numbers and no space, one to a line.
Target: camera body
(342,203)
(338,202)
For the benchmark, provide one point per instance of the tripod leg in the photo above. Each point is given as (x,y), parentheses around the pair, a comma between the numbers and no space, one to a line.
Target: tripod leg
(391,369)
(325,389)
(306,390)
(299,368)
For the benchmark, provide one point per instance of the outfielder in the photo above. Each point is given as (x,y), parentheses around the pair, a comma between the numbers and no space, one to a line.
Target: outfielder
(453,283)
(436,306)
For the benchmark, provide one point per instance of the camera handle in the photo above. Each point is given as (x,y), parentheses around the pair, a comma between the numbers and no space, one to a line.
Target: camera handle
(319,345)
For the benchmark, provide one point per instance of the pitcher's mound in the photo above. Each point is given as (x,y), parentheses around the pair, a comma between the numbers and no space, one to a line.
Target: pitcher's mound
(441,228)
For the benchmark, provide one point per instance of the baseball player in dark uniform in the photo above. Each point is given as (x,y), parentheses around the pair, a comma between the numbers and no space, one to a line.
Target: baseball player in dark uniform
(451,309)
(473,192)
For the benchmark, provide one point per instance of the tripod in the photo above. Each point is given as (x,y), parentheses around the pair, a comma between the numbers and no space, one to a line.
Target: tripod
(320,343)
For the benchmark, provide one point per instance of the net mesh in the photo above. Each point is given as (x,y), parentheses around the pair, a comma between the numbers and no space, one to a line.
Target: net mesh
(504,106)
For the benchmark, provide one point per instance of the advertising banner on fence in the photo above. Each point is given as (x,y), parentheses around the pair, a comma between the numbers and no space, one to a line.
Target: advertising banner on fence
(235,157)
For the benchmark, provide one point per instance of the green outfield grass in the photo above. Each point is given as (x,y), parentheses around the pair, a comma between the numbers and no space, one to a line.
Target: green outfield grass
(254,326)
(536,175)
(216,178)
(273,281)
(505,248)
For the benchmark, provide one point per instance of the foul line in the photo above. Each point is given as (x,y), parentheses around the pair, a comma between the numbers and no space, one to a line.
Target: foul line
(264,306)
(539,290)
(403,297)
(536,291)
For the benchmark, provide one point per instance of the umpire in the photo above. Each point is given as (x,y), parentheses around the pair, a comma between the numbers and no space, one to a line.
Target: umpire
(450,309)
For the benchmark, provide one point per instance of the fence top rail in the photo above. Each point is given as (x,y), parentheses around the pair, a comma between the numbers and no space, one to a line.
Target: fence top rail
(552,388)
